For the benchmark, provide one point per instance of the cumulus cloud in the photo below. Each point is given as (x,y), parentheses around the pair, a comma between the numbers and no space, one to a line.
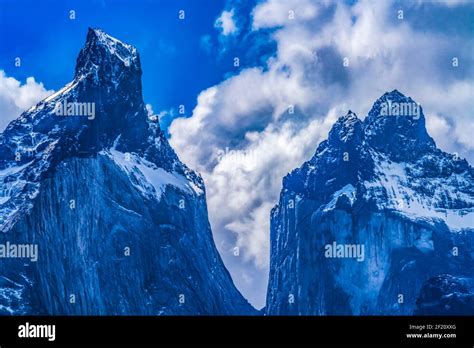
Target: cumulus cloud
(249,131)
(274,13)
(226,23)
(16,98)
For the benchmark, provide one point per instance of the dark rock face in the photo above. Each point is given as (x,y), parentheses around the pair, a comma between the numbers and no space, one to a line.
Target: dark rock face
(446,295)
(375,213)
(120,223)
(396,126)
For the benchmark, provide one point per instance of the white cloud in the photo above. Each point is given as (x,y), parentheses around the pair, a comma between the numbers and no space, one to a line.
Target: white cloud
(451,108)
(243,140)
(448,3)
(247,182)
(226,23)
(274,13)
(15,98)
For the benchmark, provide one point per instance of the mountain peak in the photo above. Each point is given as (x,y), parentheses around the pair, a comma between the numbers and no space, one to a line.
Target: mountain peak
(350,117)
(394,95)
(107,56)
(395,104)
(396,124)
(103,102)
(115,46)
(346,128)
(381,185)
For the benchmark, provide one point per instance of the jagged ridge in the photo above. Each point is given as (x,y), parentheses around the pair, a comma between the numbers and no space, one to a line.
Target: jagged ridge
(120,222)
(381,183)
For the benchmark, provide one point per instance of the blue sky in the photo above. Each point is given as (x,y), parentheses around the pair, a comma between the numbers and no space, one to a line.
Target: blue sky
(235,132)
(179,58)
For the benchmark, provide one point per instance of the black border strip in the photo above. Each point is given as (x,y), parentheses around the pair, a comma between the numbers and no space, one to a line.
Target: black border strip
(239,330)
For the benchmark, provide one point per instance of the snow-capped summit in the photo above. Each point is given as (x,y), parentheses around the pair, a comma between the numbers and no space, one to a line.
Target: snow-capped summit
(382,188)
(103,55)
(346,128)
(119,221)
(96,111)
(396,126)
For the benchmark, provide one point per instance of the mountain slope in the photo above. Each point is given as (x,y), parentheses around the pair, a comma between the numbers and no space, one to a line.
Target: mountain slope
(120,223)
(376,212)
(446,295)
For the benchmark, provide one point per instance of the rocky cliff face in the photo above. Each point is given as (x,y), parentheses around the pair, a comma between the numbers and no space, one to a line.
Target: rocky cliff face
(446,295)
(120,224)
(374,214)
